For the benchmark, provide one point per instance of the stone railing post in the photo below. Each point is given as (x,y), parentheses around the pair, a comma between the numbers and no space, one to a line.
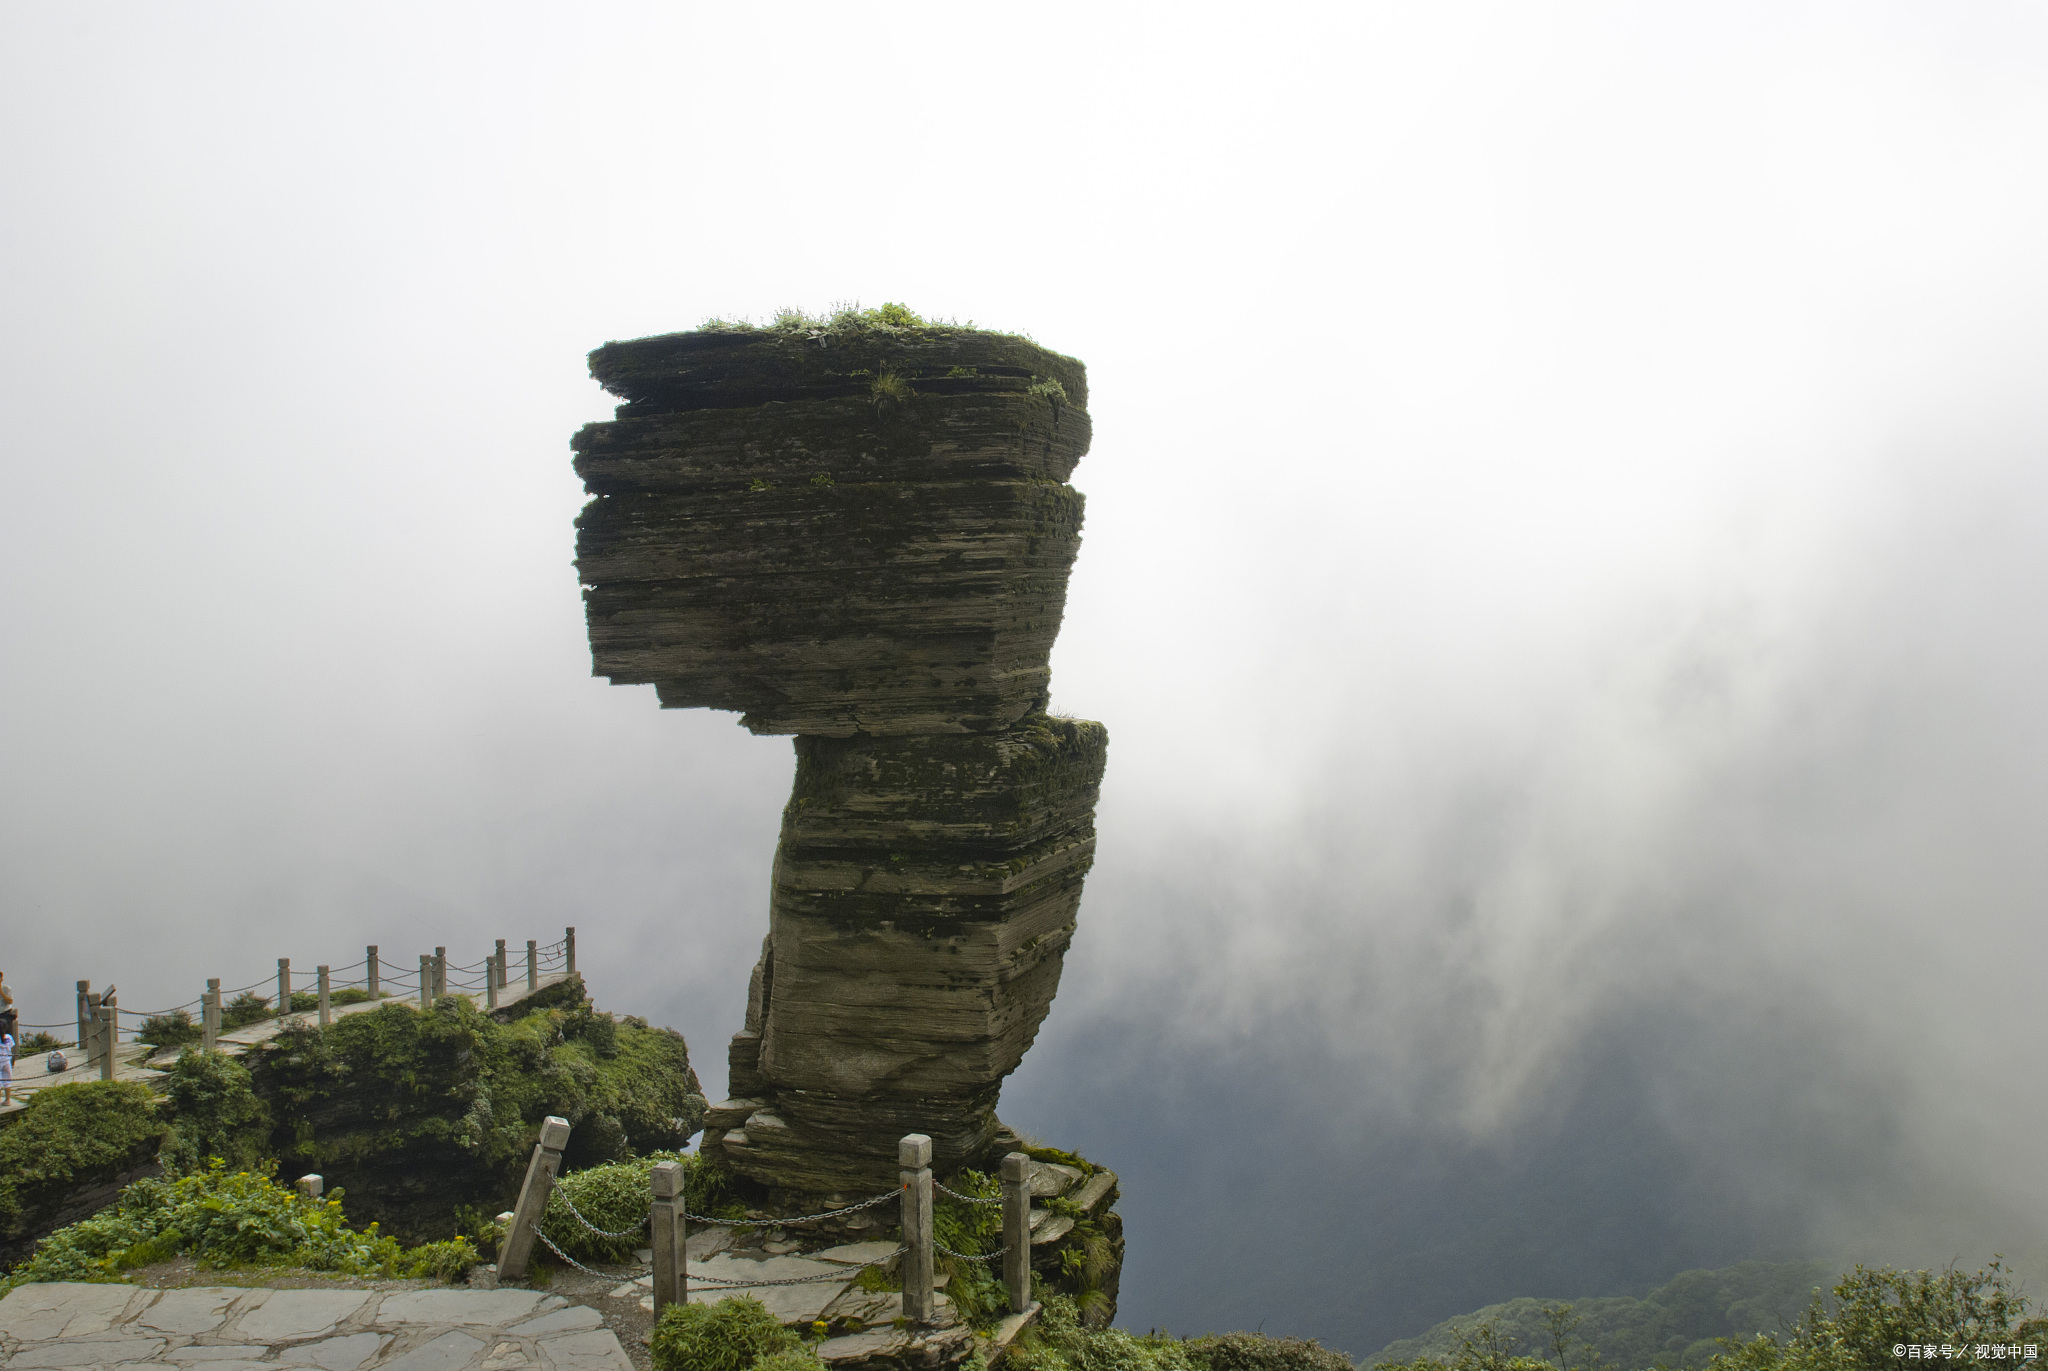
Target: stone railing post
(209,1015)
(311,1187)
(533,1197)
(532,964)
(284,986)
(498,964)
(491,980)
(1017,1230)
(370,972)
(440,972)
(426,982)
(914,1155)
(670,1229)
(569,949)
(324,1015)
(84,1015)
(110,1038)
(89,1027)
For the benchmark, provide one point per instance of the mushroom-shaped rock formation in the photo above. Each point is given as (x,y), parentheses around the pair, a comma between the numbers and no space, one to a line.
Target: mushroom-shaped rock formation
(861,535)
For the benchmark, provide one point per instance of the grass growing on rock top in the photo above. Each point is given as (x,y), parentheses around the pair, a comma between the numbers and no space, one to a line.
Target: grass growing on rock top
(844,319)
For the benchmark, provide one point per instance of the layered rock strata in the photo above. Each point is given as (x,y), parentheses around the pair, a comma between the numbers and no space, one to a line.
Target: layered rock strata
(863,537)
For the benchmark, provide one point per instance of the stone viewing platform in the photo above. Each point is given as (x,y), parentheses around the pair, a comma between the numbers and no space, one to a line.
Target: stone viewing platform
(227,1328)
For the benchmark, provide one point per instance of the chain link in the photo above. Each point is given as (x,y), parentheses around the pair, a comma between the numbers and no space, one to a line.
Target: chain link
(567,1258)
(965,1199)
(962,1256)
(885,1196)
(577,1215)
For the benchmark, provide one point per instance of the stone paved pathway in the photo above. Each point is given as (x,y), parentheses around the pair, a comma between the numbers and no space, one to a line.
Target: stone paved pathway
(229,1328)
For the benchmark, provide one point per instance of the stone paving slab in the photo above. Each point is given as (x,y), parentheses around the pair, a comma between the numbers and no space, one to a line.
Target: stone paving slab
(62,1324)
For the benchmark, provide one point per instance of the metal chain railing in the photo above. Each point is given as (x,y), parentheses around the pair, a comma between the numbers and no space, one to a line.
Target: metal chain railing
(962,1256)
(577,1215)
(885,1196)
(565,1256)
(944,1189)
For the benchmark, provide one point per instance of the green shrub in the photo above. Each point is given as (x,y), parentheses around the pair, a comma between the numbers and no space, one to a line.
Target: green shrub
(1874,1311)
(447,1260)
(976,1290)
(354,994)
(229,1218)
(70,1136)
(730,1335)
(1058,1342)
(215,1113)
(1255,1352)
(243,1010)
(421,1114)
(802,1359)
(168,1030)
(38,1042)
(616,1196)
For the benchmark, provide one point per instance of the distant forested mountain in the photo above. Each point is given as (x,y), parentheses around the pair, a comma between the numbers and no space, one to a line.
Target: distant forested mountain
(1674,1325)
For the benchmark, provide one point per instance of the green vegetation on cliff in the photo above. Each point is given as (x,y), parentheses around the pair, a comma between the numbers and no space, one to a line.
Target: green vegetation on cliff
(228,1219)
(421,1114)
(1061,1341)
(68,1141)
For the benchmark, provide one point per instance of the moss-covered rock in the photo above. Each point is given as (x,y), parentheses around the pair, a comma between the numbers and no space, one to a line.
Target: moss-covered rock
(418,1114)
(69,1152)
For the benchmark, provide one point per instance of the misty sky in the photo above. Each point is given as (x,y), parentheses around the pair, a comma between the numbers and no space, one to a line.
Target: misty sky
(1564,572)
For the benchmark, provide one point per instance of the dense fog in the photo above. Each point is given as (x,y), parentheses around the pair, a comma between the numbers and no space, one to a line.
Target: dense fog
(1564,574)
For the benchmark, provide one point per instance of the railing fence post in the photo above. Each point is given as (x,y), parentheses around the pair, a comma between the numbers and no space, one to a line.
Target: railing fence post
(914,1155)
(89,1028)
(569,938)
(1017,1230)
(284,986)
(498,964)
(311,1187)
(84,989)
(532,964)
(324,1016)
(426,982)
(110,1037)
(669,1231)
(491,980)
(209,1015)
(533,1197)
(440,972)
(370,972)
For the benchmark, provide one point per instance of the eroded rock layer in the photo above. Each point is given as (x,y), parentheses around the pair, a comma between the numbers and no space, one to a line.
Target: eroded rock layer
(879,547)
(925,893)
(863,537)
